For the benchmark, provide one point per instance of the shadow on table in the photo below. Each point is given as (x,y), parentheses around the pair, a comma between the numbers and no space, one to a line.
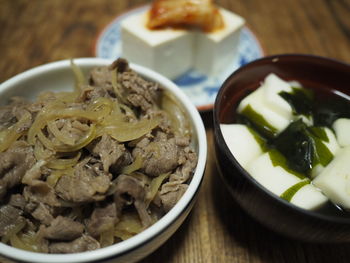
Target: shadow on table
(263,244)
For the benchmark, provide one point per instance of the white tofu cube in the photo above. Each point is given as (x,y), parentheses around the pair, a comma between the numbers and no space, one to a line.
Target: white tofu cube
(272,86)
(332,143)
(342,130)
(215,50)
(241,143)
(257,102)
(167,51)
(274,178)
(334,180)
(309,197)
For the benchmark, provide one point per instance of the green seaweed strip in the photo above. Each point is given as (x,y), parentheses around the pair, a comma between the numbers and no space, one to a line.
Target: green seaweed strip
(322,154)
(299,99)
(258,120)
(259,139)
(291,191)
(319,132)
(278,159)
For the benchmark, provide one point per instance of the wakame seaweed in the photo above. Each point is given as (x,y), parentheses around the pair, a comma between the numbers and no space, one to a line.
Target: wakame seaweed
(296,145)
(303,146)
(329,111)
(300,100)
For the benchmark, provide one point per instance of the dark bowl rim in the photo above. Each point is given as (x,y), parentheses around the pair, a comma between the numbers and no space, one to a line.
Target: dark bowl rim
(220,139)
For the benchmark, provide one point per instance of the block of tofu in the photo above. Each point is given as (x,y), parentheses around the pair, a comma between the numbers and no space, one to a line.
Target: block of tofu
(215,50)
(273,177)
(167,51)
(309,197)
(257,102)
(272,86)
(342,130)
(241,142)
(334,180)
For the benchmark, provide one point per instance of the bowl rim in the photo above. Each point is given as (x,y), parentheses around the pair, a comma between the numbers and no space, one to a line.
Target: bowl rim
(219,136)
(124,247)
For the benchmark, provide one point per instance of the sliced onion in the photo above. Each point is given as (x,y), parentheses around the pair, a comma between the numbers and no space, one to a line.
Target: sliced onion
(11,134)
(134,166)
(14,229)
(107,237)
(128,226)
(52,127)
(78,75)
(89,137)
(154,187)
(176,113)
(62,164)
(53,178)
(128,131)
(26,242)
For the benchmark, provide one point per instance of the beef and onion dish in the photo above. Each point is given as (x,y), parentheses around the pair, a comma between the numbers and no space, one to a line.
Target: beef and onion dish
(85,169)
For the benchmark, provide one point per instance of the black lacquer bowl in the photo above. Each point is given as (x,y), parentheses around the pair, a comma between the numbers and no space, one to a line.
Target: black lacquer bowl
(325,76)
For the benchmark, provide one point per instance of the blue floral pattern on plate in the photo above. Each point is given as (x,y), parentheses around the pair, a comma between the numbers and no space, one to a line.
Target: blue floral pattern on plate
(200,88)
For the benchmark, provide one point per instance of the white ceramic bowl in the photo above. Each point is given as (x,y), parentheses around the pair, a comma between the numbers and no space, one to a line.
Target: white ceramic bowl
(57,76)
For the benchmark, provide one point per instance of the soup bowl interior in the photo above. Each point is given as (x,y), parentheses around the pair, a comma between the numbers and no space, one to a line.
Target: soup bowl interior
(58,76)
(324,76)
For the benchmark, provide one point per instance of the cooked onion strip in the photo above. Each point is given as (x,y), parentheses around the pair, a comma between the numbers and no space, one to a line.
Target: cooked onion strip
(134,166)
(26,241)
(57,113)
(107,237)
(154,187)
(11,134)
(13,230)
(8,138)
(128,131)
(62,164)
(80,144)
(128,226)
(53,178)
(52,127)
(176,114)
(79,77)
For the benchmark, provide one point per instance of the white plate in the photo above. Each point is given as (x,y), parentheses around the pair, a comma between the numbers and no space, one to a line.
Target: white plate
(200,88)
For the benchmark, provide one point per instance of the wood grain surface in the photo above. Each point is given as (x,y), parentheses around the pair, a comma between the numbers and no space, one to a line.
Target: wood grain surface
(34,32)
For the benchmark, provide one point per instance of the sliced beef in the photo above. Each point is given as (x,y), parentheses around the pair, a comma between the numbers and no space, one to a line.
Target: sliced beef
(7,117)
(110,152)
(34,173)
(87,185)
(141,93)
(102,219)
(63,228)
(81,244)
(43,213)
(187,164)
(72,130)
(41,192)
(120,64)
(9,217)
(17,200)
(130,190)
(172,191)
(159,156)
(13,165)
(101,77)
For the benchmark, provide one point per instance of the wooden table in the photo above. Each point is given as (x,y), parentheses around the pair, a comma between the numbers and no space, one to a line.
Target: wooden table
(39,31)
